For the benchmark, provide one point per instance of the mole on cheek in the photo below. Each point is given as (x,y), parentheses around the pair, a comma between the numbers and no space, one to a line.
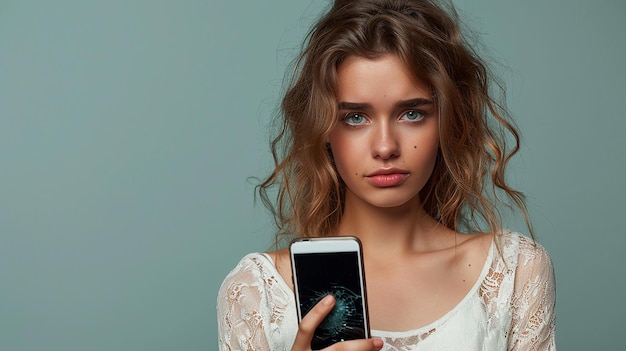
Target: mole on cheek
(415,146)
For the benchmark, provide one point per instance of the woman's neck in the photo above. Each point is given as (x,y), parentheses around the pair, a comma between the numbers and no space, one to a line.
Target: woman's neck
(394,230)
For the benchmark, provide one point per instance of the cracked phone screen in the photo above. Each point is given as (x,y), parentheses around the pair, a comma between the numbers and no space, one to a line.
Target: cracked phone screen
(320,274)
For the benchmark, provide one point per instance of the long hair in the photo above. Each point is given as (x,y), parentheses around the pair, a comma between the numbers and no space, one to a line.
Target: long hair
(467,186)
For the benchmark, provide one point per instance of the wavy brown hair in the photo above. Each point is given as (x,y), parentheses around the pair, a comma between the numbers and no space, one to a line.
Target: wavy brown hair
(468,184)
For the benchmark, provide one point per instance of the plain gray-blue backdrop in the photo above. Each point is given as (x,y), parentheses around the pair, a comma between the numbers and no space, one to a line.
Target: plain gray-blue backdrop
(128,131)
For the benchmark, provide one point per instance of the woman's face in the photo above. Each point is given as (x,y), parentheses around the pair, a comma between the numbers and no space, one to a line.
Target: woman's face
(386,136)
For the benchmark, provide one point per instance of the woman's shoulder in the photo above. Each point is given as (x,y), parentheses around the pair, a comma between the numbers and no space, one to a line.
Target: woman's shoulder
(518,263)
(258,269)
(252,266)
(523,254)
(520,245)
(251,270)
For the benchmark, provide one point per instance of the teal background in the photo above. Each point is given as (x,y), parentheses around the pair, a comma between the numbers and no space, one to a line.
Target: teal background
(129,130)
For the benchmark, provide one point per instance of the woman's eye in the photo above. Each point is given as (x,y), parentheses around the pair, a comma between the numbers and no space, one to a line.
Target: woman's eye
(412,116)
(354,119)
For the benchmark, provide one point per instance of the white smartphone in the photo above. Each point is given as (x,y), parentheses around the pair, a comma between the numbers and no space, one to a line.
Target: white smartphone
(332,265)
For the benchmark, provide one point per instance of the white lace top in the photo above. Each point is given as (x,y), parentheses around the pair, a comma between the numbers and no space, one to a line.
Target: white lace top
(511,307)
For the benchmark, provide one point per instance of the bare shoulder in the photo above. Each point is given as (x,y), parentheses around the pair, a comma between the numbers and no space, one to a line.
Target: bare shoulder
(282,262)
(478,242)
(280,256)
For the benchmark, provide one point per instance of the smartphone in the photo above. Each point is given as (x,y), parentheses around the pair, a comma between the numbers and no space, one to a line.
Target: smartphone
(332,265)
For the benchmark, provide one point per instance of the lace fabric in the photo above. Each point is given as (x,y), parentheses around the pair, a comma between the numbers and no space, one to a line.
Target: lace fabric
(511,307)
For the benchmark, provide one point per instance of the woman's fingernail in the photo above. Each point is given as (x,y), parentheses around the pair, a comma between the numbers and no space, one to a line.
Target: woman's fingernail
(327,300)
(377,342)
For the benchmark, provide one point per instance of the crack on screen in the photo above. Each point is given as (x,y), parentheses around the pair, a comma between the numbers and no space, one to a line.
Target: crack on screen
(345,315)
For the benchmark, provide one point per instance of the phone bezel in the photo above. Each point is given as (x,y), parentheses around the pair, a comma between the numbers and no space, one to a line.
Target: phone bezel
(329,245)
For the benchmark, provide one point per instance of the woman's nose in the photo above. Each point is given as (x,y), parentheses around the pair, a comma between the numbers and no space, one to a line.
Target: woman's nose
(385,144)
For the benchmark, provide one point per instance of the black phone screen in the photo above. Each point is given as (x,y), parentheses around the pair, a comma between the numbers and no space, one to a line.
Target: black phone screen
(337,273)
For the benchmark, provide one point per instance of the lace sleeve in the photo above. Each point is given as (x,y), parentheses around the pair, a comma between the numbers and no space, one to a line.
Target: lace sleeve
(241,321)
(533,300)
(253,311)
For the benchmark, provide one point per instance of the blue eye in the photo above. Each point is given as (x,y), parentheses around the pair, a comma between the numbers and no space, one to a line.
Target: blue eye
(412,116)
(354,119)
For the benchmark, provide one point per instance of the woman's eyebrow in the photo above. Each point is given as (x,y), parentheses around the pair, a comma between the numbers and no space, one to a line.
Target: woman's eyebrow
(414,102)
(353,106)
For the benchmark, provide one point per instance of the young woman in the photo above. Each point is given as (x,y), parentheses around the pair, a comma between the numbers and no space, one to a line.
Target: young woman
(390,134)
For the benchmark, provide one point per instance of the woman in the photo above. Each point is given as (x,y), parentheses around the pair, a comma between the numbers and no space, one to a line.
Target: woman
(390,134)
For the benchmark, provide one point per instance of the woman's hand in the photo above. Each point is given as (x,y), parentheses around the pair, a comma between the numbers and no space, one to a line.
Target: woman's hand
(315,316)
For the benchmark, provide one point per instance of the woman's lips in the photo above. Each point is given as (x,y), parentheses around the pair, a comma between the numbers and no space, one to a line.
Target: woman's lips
(387,179)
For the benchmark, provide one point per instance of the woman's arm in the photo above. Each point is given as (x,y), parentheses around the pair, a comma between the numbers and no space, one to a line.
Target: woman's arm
(533,301)
(241,309)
